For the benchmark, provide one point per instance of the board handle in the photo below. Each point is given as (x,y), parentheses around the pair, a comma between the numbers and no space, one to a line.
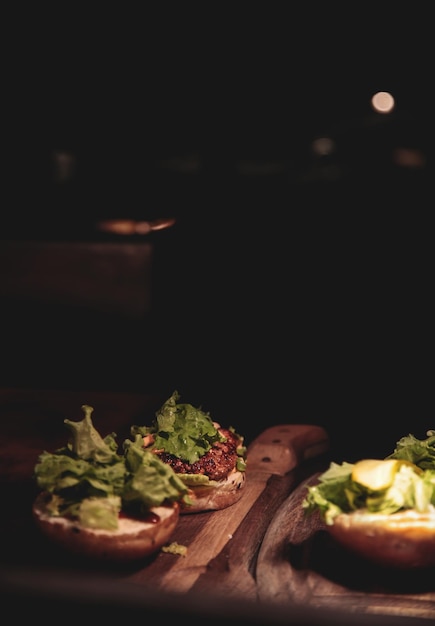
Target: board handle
(280,448)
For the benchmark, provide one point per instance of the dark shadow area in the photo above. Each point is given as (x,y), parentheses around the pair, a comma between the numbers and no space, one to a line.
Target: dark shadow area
(295,285)
(272,303)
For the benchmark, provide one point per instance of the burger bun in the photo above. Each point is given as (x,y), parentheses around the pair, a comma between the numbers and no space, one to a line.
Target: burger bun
(403,540)
(218,495)
(134,539)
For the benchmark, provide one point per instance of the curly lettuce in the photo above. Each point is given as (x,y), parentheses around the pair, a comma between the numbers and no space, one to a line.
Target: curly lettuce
(89,480)
(182,430)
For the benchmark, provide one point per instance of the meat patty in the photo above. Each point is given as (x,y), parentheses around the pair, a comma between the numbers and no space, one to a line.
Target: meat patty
(217,463)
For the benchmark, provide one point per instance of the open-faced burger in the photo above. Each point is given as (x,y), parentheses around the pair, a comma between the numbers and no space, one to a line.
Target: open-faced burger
(99,503)
(208,458)
(382,509)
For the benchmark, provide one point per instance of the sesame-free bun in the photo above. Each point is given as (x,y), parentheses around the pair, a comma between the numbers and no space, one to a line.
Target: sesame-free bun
(219,495)
(134,538)
(404,540)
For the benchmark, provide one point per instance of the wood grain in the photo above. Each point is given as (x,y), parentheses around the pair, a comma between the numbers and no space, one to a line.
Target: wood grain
(221,545)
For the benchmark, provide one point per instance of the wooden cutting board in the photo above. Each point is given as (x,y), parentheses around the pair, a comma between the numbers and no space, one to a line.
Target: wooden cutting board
(299,562)
(222,546)
(261,549)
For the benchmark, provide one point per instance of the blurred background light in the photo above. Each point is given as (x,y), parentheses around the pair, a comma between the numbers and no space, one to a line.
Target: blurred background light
(63,165)
(383,102)
(323,146)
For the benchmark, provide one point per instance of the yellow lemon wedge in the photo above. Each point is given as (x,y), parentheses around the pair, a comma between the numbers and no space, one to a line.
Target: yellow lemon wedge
(376,474)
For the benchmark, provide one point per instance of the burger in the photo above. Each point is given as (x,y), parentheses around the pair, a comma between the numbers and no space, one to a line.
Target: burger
(209,459)
(382,510)
(97,502)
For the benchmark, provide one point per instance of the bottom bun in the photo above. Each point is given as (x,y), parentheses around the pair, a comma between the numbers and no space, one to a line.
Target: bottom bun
(216,496)
(134,538)
(402,540)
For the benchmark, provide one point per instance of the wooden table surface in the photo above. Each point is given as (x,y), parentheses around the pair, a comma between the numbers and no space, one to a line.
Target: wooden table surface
(222,546)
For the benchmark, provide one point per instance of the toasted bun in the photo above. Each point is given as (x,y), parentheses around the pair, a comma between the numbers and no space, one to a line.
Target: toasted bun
(134,539)
(216,496)
(403,540)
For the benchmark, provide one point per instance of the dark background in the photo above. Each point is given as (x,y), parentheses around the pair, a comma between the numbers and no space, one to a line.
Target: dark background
(293,287)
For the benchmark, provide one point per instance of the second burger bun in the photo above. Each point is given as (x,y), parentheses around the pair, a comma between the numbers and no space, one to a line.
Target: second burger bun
(217,495)
(133,539)
(402,540)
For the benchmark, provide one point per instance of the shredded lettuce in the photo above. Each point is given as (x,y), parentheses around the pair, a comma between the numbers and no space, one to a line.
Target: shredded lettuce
(182,430)
(413,486)
(90,481)
(149,482)
(337,493)
(421,452)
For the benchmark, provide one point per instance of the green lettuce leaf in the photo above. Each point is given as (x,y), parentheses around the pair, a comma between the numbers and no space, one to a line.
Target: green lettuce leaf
(87,442)
(182,430)
(421,452)
(89,481)
(336,492)
(150,482)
